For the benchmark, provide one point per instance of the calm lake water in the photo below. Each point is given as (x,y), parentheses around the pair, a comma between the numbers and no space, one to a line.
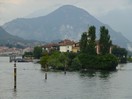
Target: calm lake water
(74,85)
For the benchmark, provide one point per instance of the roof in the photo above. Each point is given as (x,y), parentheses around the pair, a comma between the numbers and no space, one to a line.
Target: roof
(66,42)
(51,45)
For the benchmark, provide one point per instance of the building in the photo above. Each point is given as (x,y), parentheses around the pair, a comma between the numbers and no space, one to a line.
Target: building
(51,46)
(66,45)
(75,47)
(98,48)
(69,46)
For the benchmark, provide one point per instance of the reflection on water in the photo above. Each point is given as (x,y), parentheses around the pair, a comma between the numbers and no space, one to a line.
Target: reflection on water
(90,74)
(106,74)
(100,74)
(14,93)
(31,83)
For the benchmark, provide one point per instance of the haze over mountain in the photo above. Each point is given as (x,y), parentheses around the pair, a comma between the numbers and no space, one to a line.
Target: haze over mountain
(122,23)
(9,40)
(66,22)
(42,12)
(5,37)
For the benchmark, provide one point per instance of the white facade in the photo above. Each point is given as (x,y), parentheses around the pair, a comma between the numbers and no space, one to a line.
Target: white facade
(66,48)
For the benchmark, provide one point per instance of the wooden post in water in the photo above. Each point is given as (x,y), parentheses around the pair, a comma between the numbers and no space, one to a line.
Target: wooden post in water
(45,75)
(46,72)
(15,74)
(65,68)
(9,58)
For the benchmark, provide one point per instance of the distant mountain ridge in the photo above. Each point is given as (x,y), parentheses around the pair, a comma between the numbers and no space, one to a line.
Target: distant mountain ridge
(5,37)
(42,12)
(66,22)
(9,40)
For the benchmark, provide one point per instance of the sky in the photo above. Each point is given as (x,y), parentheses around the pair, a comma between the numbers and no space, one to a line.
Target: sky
(116,13)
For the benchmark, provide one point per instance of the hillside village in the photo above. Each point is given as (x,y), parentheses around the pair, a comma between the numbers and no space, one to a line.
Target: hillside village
(6,51)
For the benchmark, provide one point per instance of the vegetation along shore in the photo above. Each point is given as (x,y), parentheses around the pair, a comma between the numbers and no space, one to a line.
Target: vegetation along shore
(90,53)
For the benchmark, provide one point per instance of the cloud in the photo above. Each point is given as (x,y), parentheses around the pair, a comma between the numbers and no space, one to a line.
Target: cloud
(102,7)
(119,20)
(11,1)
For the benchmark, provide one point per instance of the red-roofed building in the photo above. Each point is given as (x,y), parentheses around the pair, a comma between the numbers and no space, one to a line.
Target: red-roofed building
(51,46)
(66,45)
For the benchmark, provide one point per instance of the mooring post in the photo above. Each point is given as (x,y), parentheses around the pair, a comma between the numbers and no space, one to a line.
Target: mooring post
(9,58)
(46,72)
(65,68)
(45,75)
(65,71)
(15,74)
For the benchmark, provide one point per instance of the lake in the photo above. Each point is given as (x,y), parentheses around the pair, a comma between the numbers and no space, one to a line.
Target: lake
(31,83)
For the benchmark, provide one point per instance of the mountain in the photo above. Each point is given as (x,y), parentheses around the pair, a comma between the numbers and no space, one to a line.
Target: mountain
(9,40)
(5,37)
(41,12)
(66,22)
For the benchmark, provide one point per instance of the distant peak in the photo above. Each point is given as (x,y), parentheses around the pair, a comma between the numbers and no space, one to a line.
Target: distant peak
(72,8)
(68,6)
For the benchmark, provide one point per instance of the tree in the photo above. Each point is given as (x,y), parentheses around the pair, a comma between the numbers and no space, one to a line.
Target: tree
(54,60)
(91,40)
(44,61)
(28,54)
(58,60)
(121,53)
(83,42)
(87,42)
(88,58)
(104,41)
(76,64)
(71,56)
(37,53)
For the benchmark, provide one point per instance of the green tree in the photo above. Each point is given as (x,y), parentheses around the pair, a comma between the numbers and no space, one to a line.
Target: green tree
(37,53)
(76,64)
(83,42)
(121,53)
(58,60)
(63,60)
(71,56)
(44,61)
(28,54)
(54,60)
(91,40)
(104,41)
(87,42)
(88,58)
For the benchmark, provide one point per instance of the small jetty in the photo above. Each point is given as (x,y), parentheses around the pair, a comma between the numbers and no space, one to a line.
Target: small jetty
(20,60)
(14,58)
